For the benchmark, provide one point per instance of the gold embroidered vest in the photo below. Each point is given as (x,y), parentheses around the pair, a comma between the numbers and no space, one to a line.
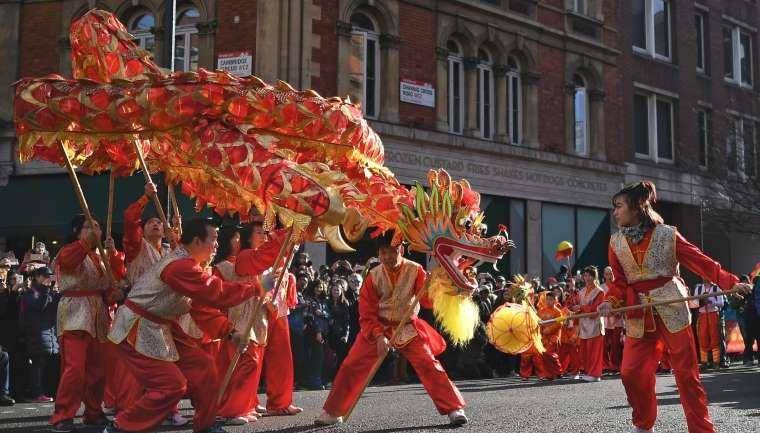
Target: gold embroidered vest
(86,313)
(153,340)
(146,259)
(659,261)
(395,300)
(590,327)
(255,306)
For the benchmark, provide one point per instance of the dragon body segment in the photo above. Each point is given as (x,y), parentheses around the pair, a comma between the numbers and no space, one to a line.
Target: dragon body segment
(238,143)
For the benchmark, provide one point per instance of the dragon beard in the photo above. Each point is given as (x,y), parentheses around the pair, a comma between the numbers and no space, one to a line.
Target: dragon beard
(456,314)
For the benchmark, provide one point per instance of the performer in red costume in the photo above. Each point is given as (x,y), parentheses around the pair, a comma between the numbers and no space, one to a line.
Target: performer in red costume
(645,256)
(164,359)
(238,405)
(82,325)
(591,330)
(385,296)
(275,353)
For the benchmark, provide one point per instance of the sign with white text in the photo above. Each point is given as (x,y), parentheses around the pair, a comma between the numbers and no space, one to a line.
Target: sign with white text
(417,92)
(239,64)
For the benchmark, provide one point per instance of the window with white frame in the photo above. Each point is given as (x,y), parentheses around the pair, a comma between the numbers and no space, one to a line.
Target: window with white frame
(742,146)
(651,28)
(456,87)
(581,7)
(580,115)
(186,39)
(364,64)
(703,131)
(514,101)
(653,127)
(737,56)
(141,27)
(485,94)
(699,29)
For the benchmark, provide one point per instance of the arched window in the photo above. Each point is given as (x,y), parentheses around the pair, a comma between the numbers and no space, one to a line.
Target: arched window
(580,115)
(364,64)
(514,101)
(186,39)
(141,27)
(485,94)
(456,87)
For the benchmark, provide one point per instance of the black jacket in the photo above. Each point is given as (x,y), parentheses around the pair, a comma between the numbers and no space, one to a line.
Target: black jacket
(37,320)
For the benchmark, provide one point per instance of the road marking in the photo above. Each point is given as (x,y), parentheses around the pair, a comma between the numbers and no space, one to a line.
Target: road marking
(7,411)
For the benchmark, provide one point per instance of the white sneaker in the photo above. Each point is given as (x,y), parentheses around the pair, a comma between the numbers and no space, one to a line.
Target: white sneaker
(261,410)
(639,430)
(457,417)
(327,419)
(587,378)
(176,420)
(577,377)
(252,417)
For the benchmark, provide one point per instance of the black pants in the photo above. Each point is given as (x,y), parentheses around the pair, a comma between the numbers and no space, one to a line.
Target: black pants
(37,374)
(5,373)
(314,359)
(750,328)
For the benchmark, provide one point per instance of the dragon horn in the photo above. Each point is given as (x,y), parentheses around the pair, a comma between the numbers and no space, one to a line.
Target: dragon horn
(335,239)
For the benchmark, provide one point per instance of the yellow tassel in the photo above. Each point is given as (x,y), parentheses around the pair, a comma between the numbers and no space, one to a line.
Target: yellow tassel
(457,315)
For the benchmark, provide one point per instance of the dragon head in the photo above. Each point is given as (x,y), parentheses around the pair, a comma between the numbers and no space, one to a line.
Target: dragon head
(447,223)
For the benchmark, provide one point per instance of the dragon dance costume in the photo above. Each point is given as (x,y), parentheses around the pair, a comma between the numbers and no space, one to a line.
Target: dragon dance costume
(648,271)
(384,297)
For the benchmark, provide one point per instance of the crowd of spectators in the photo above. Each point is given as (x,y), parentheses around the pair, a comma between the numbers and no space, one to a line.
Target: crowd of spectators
(323,325)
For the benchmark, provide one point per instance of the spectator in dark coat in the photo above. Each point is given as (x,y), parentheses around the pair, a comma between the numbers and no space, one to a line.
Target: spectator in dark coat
(316,317)
(39,306)
(340,319)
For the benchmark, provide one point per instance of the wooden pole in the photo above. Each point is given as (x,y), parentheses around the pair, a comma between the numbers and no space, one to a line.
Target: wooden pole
(146,173)
(286,250)
(394,336)
(640,306)
(105,265)
(109,216)
(173,200)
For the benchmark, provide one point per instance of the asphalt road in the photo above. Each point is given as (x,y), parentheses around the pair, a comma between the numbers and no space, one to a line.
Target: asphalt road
(497,405)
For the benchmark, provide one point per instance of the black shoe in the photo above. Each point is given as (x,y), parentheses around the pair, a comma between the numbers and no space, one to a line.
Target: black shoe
(65,426)
(6,400)
(216,428)
(100,421)
(111,428)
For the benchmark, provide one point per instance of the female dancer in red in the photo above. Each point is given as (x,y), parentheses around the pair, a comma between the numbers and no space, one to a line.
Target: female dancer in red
(645,256)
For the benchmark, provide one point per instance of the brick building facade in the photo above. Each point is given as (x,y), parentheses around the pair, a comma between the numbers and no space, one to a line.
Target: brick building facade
(528,99)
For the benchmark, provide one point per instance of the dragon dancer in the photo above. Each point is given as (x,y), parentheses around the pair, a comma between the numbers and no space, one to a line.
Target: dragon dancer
(645,256)
(384,297)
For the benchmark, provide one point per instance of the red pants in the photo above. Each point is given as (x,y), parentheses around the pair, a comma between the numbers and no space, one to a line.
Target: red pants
(82,377)
(277,360)
(640,359)
(707,332)
(240,397)
(592,350)
(165,384)
(122,388)
(545,366)
(353,372)
(613,349)
(570,357)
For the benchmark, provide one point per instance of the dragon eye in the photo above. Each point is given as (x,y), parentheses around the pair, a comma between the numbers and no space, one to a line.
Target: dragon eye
(482,229)
(467,223)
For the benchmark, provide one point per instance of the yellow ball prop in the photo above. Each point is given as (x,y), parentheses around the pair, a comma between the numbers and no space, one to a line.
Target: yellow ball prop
(514,329)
